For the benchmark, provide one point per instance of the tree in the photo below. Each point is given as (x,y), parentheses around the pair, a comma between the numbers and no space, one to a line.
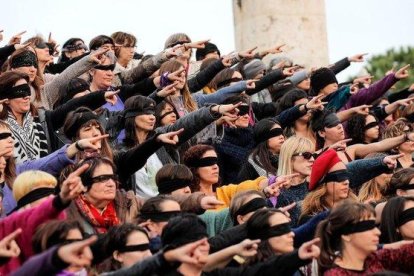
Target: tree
(379,65)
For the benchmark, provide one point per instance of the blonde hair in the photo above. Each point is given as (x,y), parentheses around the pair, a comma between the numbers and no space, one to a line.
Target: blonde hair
(370,190)
(32,180)
(315,202)
(291,146)
(395,129)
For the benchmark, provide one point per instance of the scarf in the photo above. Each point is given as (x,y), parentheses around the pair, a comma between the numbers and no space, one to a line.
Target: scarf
(30,141)
(100,222)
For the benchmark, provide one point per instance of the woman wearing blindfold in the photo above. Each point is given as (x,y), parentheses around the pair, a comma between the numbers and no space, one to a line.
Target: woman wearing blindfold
(330,134)
(129,244)
(397,220)
(349,242)
(59,233)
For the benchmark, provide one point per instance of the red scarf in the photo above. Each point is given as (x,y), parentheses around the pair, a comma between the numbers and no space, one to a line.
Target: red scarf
(100,222)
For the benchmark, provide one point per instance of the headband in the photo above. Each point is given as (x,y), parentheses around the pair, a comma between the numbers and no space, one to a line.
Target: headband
(270,134)
(178,43)
(406,216)
(83,118)
(371,125)
(358,227)
(25,59)
(243,110)
(33,196)
(273,231)
(227,82)
(169,186)
(19,91)
(251,206)
(133,248)
(129,113)
(204,162)
(5,135)
(336,176)
(159,216)
(331,120)
(110,67)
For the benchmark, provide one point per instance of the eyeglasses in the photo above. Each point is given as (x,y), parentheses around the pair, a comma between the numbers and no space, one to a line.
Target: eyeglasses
(104,178)
(307,155)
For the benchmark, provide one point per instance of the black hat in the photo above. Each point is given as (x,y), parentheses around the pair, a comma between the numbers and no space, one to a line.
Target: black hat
(209,48)
(182,230)
(321,78)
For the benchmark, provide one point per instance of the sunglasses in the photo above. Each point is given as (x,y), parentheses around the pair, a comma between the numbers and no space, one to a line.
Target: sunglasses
(104,178)
(307,155)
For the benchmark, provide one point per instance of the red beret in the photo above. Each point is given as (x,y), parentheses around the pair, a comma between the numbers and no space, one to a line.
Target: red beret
(321,166)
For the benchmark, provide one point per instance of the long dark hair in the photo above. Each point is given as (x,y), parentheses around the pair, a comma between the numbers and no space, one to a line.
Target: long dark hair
(356,128)
(10,169)
(288,100)
(349,212)
(259,221)
(390,217)
(139,103)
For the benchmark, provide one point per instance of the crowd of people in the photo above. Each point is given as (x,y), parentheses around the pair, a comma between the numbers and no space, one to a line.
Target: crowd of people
(118,163)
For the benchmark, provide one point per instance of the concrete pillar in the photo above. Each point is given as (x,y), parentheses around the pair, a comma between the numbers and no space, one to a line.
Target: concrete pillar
(301,24)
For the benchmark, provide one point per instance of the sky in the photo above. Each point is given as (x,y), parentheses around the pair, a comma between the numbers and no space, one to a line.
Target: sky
(354,26)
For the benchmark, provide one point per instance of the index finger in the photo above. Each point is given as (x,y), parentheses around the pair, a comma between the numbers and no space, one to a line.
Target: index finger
(315,240)
(346,140)
(99,137)
(21,33)
(12,235)
(176,132)
(79,170)
(100,51)
(405,67)
(252,49)
(50,35)
(396,156)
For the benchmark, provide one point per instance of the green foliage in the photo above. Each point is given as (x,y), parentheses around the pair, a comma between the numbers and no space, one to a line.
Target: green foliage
(378,65)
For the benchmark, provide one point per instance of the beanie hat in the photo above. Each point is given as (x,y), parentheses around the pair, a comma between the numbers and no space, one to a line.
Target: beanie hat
(261,130)
(276,60)
(182,230)
(322,78)
(208,48)
(253,68)
(321,167)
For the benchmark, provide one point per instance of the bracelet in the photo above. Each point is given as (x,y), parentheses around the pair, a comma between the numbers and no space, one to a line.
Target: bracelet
(218,108)
(78,147)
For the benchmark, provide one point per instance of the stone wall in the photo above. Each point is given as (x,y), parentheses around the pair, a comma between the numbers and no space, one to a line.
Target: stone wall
(301,24)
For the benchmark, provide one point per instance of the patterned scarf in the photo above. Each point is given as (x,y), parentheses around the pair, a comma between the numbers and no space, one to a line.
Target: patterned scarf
(30,141)
(100,221)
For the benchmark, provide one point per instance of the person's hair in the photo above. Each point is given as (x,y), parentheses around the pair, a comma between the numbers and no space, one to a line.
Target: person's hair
(7,81)
(171,66)
(288,100)
(117,237)
(153,205)
(223,75)
(316,123)
(38,81)
(158,111)
(77,114)
(122,38)
(356,128)
(316,201)
(100,40)
(239,200)
(173,171)
(10,169)
(177,38)
(32,180)
(53,232)
(407,110)
(395,129)
(192,155)
(71,42)
(349,212)
(390,217)
(291,146)
(398,179)
(371,189)
(259,221)
(93,163)
(135,102)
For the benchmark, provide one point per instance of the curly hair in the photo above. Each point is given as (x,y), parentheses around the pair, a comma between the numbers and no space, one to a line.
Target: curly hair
(356,128)
(194,154)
